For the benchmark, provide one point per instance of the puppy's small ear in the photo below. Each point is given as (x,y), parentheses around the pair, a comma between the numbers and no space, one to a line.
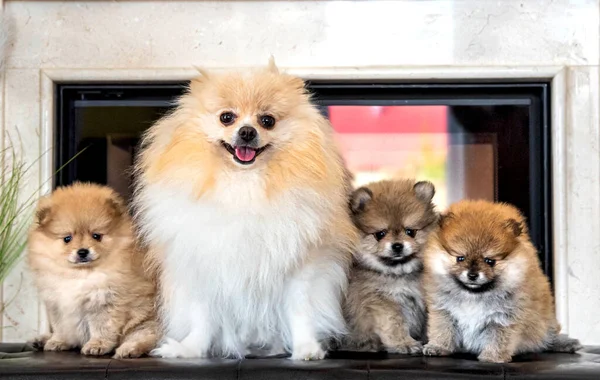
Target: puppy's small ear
(43,213)
(444,218)
(272,66)
(424,191)
(116,205)
(359,199)
(514,226)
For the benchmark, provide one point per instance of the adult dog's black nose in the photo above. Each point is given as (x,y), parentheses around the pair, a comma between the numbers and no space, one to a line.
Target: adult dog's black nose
(82,252)
(472,276)
(247,133)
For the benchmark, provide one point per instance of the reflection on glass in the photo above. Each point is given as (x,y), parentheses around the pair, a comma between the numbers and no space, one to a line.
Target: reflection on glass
(382,142)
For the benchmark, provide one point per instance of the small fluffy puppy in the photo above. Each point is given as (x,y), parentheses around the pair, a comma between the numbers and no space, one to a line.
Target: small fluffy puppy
(385,305)
(486,293)
(242,200)
(87,270)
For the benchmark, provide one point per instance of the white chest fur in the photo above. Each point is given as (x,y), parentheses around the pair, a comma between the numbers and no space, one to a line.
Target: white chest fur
(230,257)
(237,230)
(72,300)
(407,292)
(473,316)
(83,292)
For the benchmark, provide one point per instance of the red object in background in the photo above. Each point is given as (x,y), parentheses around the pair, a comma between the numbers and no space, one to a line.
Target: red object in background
(389,119)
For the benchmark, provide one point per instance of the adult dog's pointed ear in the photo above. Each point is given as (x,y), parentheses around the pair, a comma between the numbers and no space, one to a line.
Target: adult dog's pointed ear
(204,74)
(197,82)
(359,199)
(272,67)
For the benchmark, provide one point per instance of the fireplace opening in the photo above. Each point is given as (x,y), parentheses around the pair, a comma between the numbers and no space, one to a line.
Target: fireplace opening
(478,140)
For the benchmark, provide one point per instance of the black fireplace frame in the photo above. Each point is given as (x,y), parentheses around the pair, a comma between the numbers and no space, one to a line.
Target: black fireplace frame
(535,95)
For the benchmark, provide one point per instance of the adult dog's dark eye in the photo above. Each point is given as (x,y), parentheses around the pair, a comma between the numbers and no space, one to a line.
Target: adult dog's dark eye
(97,237)
(490,262)
(410,232)
(67,239)
(227,118)
(267,121)
(380,234)
(460,259)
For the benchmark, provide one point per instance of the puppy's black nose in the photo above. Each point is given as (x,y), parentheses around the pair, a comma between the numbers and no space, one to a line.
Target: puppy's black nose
(82,252)
(397,248)
(472,276)
(247,133)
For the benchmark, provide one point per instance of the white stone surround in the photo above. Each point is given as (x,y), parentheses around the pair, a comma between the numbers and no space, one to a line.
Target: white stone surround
(69,41)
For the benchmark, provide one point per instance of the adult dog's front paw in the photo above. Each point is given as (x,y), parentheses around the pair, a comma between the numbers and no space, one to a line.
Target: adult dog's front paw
(97,347)
(308,351)
(173,349)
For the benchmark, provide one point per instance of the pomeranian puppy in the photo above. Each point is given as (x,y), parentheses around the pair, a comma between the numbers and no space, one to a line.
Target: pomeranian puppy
(87,269)
(241,199)
(385,305)
(486,293)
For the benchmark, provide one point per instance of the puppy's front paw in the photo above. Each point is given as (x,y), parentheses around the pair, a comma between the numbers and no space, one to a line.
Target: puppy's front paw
(39,342)
(408,347)
(129,350)
(308,351)
(97,347)
(56,345)
(563,343)
(494,357)
(174,349)
(433,350)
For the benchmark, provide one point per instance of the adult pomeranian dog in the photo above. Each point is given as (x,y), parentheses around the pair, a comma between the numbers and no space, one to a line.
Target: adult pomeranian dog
(87,269)
(385,305)
(486,293)
(242,198)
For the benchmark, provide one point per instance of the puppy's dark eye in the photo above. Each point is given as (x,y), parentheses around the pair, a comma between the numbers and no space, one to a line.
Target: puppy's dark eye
(67,239)
(460,259)
(267,121)
(380,234)
(490,262)
(227,118)
(410,232)
(97,237)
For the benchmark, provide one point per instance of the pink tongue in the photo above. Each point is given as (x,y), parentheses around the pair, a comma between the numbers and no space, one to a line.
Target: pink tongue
(243,153)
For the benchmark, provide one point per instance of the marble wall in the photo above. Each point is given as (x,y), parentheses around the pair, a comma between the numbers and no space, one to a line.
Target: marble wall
(70,41)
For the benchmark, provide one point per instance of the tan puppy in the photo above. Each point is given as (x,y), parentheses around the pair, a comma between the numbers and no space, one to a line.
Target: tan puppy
(88,272)
(385,306)
(486,293)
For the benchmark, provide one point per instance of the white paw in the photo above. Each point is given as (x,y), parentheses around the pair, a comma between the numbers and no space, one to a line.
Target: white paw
(308,351)
(173,349)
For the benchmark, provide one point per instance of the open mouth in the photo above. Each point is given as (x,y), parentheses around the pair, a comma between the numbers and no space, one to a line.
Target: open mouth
(244,155)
